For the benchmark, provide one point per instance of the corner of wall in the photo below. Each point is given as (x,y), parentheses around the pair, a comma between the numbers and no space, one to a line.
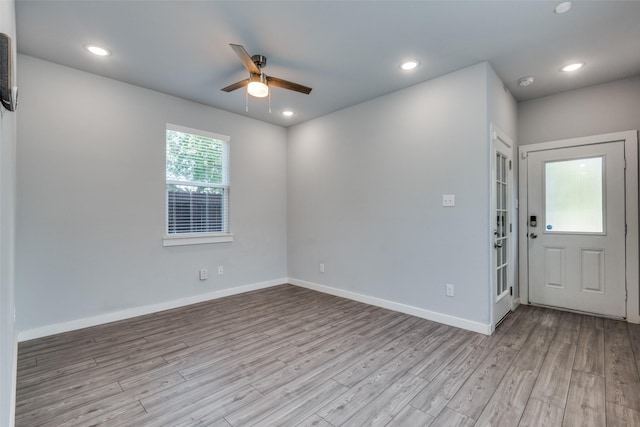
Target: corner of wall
(434,316)
(8,338)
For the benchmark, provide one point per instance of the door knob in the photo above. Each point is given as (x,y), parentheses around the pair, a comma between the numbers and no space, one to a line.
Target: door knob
(497,245)
(533,235)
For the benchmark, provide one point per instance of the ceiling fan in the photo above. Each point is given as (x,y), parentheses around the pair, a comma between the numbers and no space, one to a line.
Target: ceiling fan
(258,82)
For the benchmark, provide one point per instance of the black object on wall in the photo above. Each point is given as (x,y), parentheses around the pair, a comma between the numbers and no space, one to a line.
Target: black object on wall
(6,65)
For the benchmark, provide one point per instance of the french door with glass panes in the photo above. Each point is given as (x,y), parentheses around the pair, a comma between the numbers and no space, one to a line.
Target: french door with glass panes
(502,177)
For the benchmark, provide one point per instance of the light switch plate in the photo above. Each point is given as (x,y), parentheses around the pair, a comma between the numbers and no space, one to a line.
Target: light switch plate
(448,200)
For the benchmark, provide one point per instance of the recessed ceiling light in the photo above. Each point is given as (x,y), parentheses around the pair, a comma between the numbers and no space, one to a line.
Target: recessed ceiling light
(287,113)
(526,81)
(409,65)
(97,50)
(573,67)
(563,7)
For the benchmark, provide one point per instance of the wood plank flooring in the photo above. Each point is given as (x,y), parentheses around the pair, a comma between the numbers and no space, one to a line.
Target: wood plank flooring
(288,356)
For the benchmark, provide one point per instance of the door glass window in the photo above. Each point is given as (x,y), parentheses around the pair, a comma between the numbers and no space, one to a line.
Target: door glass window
(574,196)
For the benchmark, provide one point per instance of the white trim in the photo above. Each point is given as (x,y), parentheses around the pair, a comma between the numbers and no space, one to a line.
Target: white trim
(100,319)
(14,382)
(86,322)
(195,239)
(630,139)
(575,142)
(197,184)
(395,306)
(633,243)
(523,207)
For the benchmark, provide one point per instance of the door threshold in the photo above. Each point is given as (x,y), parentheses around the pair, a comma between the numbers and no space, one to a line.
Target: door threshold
(569,310)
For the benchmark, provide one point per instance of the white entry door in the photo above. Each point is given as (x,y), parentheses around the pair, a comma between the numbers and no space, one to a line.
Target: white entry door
(576,228)
(502,229)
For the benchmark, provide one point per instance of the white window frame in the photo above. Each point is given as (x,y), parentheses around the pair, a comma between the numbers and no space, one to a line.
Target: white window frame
(180,239)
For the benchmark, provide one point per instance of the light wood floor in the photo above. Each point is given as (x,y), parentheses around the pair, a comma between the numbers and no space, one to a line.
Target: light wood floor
(294,357)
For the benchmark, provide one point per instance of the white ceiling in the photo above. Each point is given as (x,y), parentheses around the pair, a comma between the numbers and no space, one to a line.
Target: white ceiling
(347,51)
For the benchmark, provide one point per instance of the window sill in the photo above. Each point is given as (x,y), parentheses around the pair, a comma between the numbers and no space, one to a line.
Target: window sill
(196,239)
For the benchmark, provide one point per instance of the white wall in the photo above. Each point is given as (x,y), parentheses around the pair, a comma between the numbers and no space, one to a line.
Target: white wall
(91,199)
(605,108)
(364,197)
(8,345)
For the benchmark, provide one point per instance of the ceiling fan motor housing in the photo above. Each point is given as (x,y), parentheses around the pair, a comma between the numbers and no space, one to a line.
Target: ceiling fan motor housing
(259,60)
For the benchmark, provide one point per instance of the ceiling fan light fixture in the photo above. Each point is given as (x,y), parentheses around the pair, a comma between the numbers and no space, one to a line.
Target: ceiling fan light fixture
(258,83)
(257,86)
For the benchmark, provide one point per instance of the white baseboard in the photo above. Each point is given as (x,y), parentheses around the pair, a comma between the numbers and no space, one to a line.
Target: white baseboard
(516,302)
(457,322)
(14,382)
(100,319)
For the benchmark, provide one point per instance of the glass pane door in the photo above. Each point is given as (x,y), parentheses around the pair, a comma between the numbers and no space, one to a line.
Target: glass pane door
(502,225)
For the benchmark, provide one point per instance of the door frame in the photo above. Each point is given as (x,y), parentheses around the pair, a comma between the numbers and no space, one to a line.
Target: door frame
(632,261)
(497,135)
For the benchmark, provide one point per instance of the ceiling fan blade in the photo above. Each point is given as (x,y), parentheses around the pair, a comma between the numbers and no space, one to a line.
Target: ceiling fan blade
(237,85)
(245,58)
(274,81)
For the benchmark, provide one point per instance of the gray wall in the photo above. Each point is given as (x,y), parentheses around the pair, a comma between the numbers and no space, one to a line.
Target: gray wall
(91,198)
(7,228)
(364,189)
(364,196)
(605,108)
(503,109)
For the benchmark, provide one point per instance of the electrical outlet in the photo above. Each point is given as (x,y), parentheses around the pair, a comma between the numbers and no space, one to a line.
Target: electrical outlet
(321,268)
(220,270)
(448,200)
(449,290)
(204,274)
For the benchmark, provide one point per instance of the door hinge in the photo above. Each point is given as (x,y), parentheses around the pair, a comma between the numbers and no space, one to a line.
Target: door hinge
(510,165)
(625,229)
(510,228)
(511,290)
(625,163)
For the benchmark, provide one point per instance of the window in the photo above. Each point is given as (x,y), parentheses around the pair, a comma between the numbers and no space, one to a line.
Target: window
(574,196)
(197,180)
